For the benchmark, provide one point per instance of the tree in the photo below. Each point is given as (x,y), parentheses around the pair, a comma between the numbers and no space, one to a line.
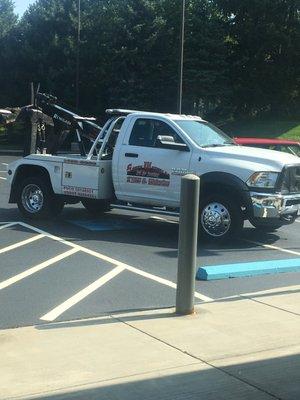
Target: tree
(8,19)
(264,58)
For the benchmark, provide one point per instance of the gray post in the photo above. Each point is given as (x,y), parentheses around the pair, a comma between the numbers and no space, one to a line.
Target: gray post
(187,243)
(34,114)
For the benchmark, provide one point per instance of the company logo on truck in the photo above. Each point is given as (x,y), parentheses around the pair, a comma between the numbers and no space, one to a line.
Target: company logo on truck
(147,174)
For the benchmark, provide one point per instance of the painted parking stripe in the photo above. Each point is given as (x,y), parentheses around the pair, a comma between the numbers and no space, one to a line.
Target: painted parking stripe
(110,260)
(33,270)
(6,224)
(57,311)
(155,217)
(23,243)
(270,246)
(2,178)
(4,163)
(237,270)
(163,281)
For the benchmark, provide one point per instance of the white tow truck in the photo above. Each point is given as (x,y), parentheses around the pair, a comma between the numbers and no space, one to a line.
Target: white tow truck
(137,162)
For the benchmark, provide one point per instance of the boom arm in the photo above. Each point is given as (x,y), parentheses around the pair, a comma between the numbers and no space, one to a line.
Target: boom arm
(67,120)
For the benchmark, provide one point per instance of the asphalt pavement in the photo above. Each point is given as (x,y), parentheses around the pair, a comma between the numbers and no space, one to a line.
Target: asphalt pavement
(76,267)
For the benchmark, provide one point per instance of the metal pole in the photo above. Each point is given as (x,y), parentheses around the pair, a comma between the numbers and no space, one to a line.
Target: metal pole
(31,93)
(78,52)
(34,116)
(187,244)
(181,56)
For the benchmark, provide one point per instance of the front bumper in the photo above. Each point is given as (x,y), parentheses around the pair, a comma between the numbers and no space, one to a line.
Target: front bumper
(266,205)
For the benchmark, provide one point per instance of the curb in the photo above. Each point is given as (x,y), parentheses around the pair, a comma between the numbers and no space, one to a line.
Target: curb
(248,269)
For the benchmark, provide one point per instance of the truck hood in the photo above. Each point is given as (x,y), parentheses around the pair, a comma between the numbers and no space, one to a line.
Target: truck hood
(270,160)
(243,161)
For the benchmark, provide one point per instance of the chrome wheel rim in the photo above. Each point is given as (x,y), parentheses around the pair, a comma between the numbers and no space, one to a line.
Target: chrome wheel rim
(32,198)
(215,219)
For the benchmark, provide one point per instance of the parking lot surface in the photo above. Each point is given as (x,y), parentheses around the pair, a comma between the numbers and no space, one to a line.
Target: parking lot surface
(77,266)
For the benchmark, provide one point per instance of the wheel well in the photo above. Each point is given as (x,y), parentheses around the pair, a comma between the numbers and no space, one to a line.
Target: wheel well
(221,189)
(25,171)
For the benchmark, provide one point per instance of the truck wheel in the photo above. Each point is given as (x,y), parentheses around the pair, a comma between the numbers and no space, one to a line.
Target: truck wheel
(96,207)
(220,217)
(36,199)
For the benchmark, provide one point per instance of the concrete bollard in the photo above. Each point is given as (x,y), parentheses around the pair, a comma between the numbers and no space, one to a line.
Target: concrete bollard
(187,243)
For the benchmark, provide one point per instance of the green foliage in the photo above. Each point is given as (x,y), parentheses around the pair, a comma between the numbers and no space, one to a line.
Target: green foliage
(7,17)
(274,128)
(241,56)
(265,49)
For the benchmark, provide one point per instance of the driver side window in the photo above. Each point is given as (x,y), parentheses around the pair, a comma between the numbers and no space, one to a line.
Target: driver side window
(146,131)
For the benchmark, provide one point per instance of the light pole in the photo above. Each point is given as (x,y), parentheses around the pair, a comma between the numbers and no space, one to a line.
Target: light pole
(78,52)
(181,56)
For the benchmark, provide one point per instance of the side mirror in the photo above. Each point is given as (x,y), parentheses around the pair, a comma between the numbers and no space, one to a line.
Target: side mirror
(168,142)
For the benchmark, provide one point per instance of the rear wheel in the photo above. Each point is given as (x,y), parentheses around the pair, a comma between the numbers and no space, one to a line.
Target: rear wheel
(220,217)
(96,207)
(36,199)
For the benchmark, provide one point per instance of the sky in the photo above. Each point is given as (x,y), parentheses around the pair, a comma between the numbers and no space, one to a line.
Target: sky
(21,5)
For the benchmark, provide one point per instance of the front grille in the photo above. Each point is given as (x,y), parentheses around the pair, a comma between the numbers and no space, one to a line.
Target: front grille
(291,180)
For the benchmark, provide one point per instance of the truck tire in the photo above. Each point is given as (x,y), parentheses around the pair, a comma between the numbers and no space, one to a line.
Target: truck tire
(96,207)
(36,200)
(220,218)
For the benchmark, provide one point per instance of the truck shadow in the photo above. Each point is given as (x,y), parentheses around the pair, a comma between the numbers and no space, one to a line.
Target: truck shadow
(122,227)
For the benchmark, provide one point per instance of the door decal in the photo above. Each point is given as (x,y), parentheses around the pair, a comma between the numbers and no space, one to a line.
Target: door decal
(147,174)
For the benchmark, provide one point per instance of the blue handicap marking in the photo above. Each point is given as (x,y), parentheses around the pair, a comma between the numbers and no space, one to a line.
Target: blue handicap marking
(111,224)
(248,269)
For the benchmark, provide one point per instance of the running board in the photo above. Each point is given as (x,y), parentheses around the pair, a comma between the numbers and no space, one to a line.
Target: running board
(145,210)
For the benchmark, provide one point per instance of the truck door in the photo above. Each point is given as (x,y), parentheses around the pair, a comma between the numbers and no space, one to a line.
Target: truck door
(148,172)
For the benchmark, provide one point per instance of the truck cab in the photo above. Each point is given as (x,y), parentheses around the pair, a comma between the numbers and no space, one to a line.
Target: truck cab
(137,161)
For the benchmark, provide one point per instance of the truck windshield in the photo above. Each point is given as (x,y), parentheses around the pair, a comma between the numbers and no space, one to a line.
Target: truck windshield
(204,134)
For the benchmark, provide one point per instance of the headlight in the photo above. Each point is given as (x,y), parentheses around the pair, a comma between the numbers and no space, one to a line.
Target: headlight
(263,179)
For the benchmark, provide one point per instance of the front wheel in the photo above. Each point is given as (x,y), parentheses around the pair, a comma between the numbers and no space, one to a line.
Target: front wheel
(220,217)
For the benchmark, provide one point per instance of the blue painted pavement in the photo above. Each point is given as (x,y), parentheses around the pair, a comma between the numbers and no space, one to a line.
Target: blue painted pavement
(247,269)
(107,225)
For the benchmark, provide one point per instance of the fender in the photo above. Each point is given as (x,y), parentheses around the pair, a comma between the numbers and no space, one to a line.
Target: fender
(225,183)
(25,170)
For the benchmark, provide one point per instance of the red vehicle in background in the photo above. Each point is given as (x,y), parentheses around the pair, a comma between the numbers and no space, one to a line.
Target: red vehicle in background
(288,146)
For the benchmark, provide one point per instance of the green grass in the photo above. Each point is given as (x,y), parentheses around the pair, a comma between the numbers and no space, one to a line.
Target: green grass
(265,129)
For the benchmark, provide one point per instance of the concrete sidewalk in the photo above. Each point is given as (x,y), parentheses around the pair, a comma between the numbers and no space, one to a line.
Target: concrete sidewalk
(239,348)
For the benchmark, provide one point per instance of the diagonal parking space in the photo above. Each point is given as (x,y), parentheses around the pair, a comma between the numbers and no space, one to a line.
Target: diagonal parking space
(20,259)
(24,302)
(37,268)
(36,290)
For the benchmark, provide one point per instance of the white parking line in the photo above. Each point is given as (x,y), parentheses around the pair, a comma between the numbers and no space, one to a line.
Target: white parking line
(110,260)
(39,267)
(6,224)
(270,246)
(57,311)
(4,172)
(4,163)
(23,243)
(3,178)
(163,219)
